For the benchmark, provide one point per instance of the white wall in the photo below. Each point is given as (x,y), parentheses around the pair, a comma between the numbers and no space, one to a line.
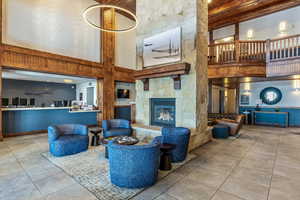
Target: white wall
(224,32)
(267,27)
(125,51)
(290,98)
(54,26)
(82,88)
(128,86)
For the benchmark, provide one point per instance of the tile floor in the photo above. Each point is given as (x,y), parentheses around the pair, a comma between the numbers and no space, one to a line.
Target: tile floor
(263,164)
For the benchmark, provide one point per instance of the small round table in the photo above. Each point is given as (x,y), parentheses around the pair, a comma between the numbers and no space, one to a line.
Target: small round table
(165,158)
(121,140)
(95,137)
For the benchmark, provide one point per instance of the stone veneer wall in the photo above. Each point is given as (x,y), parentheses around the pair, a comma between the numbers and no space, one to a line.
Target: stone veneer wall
(157,16)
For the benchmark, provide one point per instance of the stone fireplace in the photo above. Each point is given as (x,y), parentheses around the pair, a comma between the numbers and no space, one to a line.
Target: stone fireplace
(188,108)
(163,112)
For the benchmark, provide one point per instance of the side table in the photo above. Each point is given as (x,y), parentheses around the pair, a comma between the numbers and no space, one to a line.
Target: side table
(165,158)
(95,137)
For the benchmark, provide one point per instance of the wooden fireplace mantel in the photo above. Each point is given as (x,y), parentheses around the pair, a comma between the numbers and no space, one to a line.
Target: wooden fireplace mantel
(174,71)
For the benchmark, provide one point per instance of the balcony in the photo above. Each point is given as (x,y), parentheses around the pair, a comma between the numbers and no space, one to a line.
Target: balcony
(259,58)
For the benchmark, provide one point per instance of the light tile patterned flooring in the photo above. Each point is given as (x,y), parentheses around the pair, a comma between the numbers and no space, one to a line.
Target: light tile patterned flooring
(263,164)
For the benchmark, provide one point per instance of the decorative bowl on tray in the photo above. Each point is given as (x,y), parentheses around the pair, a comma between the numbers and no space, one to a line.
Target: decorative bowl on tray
(126,140)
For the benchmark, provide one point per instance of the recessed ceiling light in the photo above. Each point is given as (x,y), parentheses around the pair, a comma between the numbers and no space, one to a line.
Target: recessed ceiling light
(209,1)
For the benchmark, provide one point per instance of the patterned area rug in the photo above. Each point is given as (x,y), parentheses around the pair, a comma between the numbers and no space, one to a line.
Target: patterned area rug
(91,170)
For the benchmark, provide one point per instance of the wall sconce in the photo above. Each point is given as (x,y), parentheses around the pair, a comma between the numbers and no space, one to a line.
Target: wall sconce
(283,27)
(297,86)
(250,34)
(248,93)
(247,88)
(228,39)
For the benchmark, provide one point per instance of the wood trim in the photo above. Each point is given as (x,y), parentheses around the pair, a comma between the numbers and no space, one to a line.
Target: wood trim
(237,70)
(163,71)
(124,74)
(236,64)
(28,59)
(47,55)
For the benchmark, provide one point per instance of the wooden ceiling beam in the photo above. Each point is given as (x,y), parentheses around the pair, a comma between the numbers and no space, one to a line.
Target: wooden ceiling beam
(231,12)
(127,4)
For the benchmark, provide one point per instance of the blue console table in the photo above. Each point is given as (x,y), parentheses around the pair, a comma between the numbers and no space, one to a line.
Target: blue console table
(270,118)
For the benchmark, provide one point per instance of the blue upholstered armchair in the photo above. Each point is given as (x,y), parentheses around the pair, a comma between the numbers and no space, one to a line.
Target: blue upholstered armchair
(68,139)
(116,127)
(178,136)
(133,166)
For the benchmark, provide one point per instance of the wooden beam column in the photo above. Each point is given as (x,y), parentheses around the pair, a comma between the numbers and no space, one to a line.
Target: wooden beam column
(1,48)
(237,99)
(108,57)
(1,130)
(237,31)
(210,96)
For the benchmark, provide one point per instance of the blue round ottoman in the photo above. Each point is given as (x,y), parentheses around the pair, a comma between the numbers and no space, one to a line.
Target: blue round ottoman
(221,131)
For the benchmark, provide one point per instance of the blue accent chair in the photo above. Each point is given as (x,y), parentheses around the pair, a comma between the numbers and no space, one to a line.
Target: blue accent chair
(68,139)
(180,137)
(133,166)
(116,127)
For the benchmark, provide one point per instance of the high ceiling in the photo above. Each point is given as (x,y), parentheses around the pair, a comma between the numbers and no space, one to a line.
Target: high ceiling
(227,12)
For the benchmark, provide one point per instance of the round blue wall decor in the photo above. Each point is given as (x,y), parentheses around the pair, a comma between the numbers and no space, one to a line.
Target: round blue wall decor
(271,95)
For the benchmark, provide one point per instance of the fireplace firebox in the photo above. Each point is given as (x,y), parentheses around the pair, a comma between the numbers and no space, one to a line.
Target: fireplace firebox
(163,112)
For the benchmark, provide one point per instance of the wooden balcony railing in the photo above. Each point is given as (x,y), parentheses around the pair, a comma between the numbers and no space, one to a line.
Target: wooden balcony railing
(237,52)
(258,51)
(282,49)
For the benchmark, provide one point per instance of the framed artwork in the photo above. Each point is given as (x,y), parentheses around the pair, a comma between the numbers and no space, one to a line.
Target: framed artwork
(162,48)
(245,99)
(271,95)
